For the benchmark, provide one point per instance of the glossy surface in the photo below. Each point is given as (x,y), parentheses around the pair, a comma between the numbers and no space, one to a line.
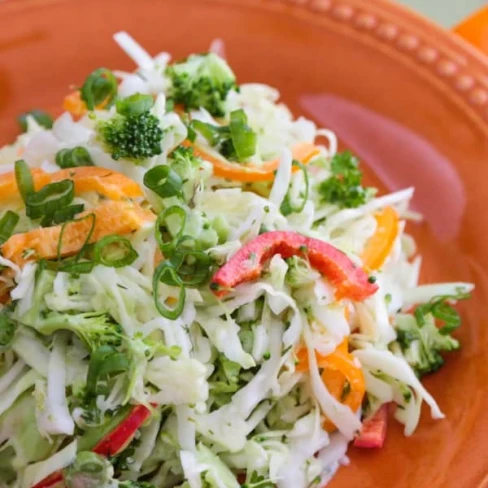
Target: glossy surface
(410,99)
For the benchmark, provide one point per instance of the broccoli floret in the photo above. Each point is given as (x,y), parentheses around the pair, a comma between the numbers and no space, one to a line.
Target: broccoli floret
(93,328)
(202,80)
(421,345)
(299,273)
(135,137)
(189,168)
(183,159)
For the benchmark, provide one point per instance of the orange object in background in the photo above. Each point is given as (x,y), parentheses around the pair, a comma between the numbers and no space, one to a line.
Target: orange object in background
(475,29)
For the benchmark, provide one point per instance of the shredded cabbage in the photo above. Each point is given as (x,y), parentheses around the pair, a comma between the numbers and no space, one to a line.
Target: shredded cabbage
(232,389)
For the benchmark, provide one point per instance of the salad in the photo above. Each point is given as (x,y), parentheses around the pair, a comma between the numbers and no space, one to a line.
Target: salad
(198,291)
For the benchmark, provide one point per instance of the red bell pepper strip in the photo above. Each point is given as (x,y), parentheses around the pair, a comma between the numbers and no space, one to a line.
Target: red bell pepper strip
(247,264)
(121,436)
(113,443)
(51,481)
(373,433)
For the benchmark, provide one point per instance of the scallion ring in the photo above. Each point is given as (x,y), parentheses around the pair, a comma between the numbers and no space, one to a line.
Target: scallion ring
(169,106)
(68,213)
(49,199)
(76,268)
(163,181)
(23,177)
(165,273)
(169,228)
(62,215)
(105,361)
(191,134)
(192,267)
(114,251)
(208,131)
(73,158)
(134,105)
(187,243)
(243,137)
(41,117)
(287,207)
(88,237)
(7,225)
(100,86)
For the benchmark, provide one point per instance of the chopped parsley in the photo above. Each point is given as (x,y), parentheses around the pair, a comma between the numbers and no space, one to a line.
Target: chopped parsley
(343,188)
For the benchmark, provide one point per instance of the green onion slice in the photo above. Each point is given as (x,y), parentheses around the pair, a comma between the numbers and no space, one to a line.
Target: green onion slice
(192,267)
(88,237)
(62,215)
(41,117)
(174,217)
(7,225)
(49,199)
(114,251)
(23,176)
(165,273)
(76,268)
(100,86)
(105,361)
(169,106)
(208,131)
(163,181)
(287,207)
(72,158)
(243,137)
(67,213)
(135,104)
(191,134)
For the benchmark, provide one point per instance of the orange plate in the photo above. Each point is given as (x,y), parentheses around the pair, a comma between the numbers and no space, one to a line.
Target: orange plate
(408,97)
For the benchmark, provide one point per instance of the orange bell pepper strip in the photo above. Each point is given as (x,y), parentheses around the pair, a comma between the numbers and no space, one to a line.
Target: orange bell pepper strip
(381,242)
(301,356)
(343,379)
(247,172)
(120,218)
(111,184)
(73,104)
(8,183)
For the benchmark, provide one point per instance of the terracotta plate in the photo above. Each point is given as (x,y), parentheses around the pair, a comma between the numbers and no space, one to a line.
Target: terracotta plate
(409,98)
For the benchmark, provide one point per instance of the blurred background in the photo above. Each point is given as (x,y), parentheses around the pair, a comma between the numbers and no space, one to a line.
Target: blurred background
(446,12)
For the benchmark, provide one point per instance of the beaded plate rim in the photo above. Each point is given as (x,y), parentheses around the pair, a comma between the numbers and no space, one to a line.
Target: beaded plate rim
(442,55)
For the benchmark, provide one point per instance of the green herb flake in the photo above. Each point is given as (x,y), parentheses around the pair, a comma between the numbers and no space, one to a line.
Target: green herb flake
(343,188)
